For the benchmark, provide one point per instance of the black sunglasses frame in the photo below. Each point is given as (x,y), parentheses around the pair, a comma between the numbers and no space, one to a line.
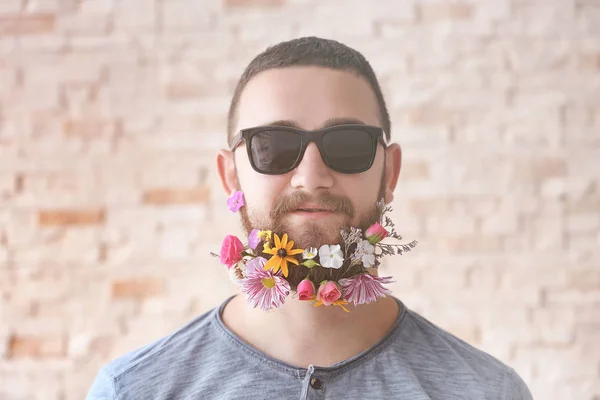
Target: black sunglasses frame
(377,134)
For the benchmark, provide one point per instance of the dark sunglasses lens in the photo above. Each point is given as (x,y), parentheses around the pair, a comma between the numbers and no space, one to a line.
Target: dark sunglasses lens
(275,151)
(348,150)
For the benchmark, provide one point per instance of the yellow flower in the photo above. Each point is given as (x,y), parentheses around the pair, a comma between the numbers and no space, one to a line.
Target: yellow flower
(282,254)
(265,235)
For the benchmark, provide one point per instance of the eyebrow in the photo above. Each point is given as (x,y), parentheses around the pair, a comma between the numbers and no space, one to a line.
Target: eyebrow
(328,123)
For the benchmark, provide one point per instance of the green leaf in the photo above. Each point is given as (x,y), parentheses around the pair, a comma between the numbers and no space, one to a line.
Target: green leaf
(310,263)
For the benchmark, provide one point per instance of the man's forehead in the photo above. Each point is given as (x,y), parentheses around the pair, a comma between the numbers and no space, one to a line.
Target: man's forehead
(329,122)
(307,98)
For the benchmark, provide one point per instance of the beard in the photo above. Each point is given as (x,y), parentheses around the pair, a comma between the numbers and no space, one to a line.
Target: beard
(314,234)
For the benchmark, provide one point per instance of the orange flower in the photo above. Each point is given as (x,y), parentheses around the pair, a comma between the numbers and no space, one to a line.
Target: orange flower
(340,303)
(282,254)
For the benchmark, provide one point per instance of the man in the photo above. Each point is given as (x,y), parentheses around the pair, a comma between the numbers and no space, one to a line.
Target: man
(321,90)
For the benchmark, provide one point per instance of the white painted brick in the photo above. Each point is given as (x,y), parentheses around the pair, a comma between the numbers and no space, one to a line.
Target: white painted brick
(501,224)
(4,340)
(584,242)
(499,10)
(554,325)
(72,245)
(182,16)
(454,225)
(85,23)
(135,15)
(564,297)
(10,7)
(573,186)
(583,223)
(38,44)
(50,6)
(79,344)
(176,243)
(395,10)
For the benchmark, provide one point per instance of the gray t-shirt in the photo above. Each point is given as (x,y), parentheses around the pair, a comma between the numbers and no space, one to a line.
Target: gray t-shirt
(416,360)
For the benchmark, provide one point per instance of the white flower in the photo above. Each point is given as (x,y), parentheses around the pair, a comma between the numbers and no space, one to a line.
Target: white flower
(331,256)
(309,253)
(365,251)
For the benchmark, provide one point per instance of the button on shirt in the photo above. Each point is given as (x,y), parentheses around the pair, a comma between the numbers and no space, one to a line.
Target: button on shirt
(416,360)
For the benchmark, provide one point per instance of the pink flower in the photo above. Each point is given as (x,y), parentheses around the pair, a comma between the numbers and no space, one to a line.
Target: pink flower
(364,288)
(306,289)
(328,293)
(376,233)
(231,251)
(255,263)
(253,239)
(235,201)
(265,289)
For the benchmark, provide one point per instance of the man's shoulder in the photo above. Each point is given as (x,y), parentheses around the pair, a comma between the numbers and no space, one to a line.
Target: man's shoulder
(173,360)
(425,333)
(434,350)
(191,338)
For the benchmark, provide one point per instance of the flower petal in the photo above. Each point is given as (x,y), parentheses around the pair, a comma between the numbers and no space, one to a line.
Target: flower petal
(292,260)
(271,263)
(277,242)
(284,267)
(294,252)
(284,241)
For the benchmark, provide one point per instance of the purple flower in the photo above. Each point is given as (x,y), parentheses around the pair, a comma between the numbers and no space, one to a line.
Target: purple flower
(265,289)
(253,239)
(364,288)
(235,201)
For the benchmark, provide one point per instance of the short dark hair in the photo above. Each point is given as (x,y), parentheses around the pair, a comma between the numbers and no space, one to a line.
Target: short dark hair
(309,51)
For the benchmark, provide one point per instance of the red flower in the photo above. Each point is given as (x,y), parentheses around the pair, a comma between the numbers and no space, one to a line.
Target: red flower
(231,251)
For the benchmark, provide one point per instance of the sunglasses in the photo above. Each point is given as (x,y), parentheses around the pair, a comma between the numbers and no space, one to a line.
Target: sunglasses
(274,150)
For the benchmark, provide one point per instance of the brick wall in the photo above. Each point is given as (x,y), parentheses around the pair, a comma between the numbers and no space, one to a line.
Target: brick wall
(111,111)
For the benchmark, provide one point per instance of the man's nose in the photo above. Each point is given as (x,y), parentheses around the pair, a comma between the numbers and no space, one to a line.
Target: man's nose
(312,173)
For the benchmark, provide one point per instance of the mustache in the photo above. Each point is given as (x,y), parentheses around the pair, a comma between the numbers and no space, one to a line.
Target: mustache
(327,200)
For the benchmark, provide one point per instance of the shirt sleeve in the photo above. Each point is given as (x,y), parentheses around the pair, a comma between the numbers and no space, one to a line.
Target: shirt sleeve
(515,387)
(103,387)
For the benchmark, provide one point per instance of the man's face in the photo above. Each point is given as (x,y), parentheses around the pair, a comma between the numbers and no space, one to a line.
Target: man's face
(309,98)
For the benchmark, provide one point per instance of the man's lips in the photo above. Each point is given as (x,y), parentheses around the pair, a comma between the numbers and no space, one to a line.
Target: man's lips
(312,208)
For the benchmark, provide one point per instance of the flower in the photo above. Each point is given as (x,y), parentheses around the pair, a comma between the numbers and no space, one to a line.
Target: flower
(282,254)
(351,236)
(265,289)
(328,293)
(331,256)
(265,235)
(231,251)
(254,264)
(340,303)
(253,239)
(309,253)
(364,288)
(306,289)
(376,233)
(235,274)
(235,201)
(365,252)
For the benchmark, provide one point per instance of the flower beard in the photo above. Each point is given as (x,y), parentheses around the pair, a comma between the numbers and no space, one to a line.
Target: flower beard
(314,235)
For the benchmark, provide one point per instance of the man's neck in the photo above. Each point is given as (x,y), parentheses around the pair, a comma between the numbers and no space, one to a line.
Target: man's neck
(300,334)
